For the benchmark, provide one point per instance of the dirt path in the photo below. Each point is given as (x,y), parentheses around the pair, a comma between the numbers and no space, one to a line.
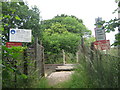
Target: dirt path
(58,77)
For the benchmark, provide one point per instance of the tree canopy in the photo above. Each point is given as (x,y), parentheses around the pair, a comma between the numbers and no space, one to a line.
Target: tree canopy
(18,14)
(113,24)
(71,23)
(63,32)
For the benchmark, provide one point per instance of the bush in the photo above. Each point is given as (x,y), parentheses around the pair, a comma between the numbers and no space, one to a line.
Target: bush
(12,62)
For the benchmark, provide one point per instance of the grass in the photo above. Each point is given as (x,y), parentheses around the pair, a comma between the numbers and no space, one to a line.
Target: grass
(43,83)
(78,80)
(102,73)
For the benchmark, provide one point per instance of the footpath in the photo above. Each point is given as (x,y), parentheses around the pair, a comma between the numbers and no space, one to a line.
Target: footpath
(62,73)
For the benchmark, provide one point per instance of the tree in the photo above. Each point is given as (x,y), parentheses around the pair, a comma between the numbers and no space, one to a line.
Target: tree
(18,14)
(71,23)
(63,32)
(56,42)
(112,25)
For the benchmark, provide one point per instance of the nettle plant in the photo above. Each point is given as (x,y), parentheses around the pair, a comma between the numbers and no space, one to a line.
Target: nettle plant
(12,63)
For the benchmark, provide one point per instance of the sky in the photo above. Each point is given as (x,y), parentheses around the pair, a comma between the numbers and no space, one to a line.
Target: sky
(87,10)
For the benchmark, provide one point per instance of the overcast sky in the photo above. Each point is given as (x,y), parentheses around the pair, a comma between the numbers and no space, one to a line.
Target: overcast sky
(87,10)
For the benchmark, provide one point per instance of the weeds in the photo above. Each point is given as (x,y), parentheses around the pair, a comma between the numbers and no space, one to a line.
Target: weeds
(102,72)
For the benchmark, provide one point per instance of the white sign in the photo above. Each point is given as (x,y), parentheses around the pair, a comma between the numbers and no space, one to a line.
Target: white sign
(100,34)
(20,35)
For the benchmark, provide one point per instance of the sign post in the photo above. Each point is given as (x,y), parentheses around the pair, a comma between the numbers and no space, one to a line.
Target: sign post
(100,34)
(101,43)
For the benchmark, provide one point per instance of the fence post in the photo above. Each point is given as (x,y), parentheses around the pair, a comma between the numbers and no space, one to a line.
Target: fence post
(77,58)
(83,49)
(42,62)
(35,46)
(36,50)
(63,57)
(92,52)
(25,63)
(15,66)
(25,66)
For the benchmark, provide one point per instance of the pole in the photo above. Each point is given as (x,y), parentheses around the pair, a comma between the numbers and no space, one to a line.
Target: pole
(25,70)
(36,50)
(63,57)
(82,44)
(77,56)
(119,45)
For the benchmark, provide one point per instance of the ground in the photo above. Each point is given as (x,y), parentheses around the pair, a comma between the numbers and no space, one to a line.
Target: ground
(54,77)
(58,77)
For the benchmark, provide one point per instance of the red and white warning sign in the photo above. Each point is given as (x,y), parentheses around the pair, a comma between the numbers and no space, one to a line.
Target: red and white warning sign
(102,44)
(15,44)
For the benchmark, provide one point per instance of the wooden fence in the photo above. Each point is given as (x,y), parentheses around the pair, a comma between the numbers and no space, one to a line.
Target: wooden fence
(29,63)
(35,57)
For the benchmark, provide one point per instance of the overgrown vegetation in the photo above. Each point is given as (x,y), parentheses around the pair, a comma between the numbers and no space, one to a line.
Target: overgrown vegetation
(19,15)
(62,32)
(43,83)
(12,58)
(14,75)
(102,72)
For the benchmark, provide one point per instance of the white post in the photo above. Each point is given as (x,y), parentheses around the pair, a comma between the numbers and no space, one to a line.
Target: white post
(63,57)
(77,56)
(119,27)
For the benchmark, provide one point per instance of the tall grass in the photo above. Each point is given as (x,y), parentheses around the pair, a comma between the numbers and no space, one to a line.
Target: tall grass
(101,72)
(43,83)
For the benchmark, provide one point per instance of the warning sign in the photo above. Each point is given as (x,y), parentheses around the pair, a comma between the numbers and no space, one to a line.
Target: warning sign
(102,44)
(10,44)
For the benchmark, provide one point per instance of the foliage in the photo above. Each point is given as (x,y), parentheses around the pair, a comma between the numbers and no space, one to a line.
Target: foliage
(57,42)
(102,72)
(71,23)
(112,25)
(12,58)
(43,83)
(62,32)
(13,69)
(89,40)
(18,14)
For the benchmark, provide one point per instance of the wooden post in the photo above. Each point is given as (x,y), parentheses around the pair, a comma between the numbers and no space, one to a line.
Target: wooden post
(42,63)
(77,56)
(25,63)
(63,57)
(38,60)
(119,45)
(92,52)
(36,50)
(15,66)
(35,46)
(25,71)
(83,47)
(82,44)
